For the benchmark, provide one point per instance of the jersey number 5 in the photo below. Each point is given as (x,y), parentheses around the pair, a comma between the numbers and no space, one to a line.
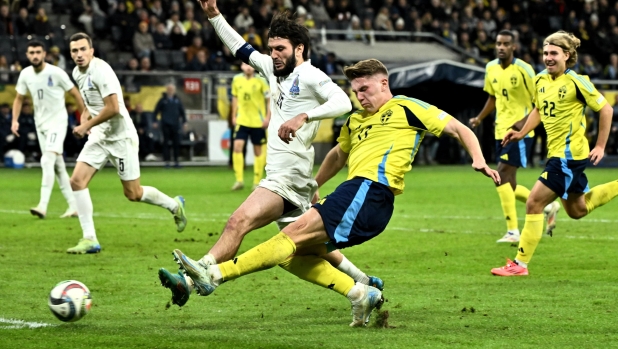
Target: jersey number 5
(551,106)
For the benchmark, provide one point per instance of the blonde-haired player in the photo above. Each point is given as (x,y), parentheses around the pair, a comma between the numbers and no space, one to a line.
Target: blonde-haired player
(378,144)
(561,96)
(250,117)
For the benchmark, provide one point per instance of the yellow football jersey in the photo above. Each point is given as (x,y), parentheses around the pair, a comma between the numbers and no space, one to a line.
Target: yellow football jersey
(513,88)
(382,146)
(561,104)
(251,95)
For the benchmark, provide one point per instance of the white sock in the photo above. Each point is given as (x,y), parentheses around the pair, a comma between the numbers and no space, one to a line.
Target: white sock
(48,159)
(64,182)
(352,271)
(85,211)
(215,274)
(208,260)
(153,196)
(189,283)
(357,292)
(521,264)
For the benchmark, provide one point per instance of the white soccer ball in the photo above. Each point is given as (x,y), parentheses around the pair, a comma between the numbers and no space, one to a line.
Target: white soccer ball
(70,300)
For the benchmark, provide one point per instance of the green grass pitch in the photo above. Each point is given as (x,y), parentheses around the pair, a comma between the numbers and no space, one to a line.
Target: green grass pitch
(434,257)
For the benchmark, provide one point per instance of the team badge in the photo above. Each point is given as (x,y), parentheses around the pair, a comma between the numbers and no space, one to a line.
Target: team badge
(562,92)
(385,116)
(514,80)
(50,82)
(295,90)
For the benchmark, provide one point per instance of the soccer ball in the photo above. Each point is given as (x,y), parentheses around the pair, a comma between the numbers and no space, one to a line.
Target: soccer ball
(70,300)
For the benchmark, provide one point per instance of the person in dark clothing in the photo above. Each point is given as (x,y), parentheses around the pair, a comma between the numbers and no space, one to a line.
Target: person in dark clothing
(172,118)
(141,121)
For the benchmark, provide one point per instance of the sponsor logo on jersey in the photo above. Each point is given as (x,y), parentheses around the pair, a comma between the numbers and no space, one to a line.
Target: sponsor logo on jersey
(295,90)
(542,90)
(562,92)
(385,116)
(442,115)
(544,175)
(50,82)
(505,157)
(495,81)
(322,83)
(600,99)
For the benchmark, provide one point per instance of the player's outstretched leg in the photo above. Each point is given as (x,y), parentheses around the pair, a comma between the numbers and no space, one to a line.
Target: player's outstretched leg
(153,196)
(180,285)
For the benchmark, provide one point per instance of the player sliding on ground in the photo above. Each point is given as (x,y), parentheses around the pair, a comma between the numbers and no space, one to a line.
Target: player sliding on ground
(112,137)
(47,85)
(561,96)
(510,84)
(378,144)
(302,96)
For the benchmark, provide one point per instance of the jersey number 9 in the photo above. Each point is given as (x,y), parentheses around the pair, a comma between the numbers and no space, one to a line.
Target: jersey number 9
(505,93)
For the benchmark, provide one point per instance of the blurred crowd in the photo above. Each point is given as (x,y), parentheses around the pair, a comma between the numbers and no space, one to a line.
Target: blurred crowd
(174,34)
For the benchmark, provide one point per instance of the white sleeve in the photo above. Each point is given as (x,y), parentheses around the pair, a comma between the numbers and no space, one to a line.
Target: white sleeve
(21,86)
(240,48)
(337,102)
(106,81)
(65,81)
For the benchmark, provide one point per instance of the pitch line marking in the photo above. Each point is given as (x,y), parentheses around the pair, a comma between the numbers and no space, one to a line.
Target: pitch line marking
(15,324)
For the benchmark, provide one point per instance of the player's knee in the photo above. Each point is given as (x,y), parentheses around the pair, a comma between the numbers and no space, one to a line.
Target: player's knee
(576,212)
(237,224)
(534,205)
(77,183)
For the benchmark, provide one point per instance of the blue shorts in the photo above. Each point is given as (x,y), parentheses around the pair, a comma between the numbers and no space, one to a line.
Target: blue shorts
(257,134)
(357,211)
(565,176)
(514,154)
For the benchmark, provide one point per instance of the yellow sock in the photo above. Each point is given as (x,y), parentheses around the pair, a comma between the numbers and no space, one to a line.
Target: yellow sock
(521,193)
(263,256)
(530,237)
(318,271)
(600,195)
(507,199)
(258,168)
(238,162)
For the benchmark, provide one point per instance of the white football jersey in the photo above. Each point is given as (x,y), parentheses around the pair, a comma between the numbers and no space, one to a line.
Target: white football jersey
(96,83)
(47,89)
(304,89)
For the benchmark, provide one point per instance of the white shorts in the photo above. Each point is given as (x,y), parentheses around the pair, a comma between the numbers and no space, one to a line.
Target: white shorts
(296,188)
(123,154)
(52,139)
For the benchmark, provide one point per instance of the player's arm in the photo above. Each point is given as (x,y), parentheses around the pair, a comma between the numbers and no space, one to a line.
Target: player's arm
(605,124)
(110,109)
(468,140)
(490,106)
(333,163)
(237,45)
(17,104)
(267,118)
(337,103)
(78,99)
(234,109)
(532,121)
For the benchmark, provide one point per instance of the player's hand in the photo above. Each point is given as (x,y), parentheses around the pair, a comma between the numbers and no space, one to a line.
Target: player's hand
(596,155)
(474,122)
(316,197)
(80,131)
(265,124)
(484,169)
(15,128)
(234,121)
(209,7)
(288,130)
(511,136)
